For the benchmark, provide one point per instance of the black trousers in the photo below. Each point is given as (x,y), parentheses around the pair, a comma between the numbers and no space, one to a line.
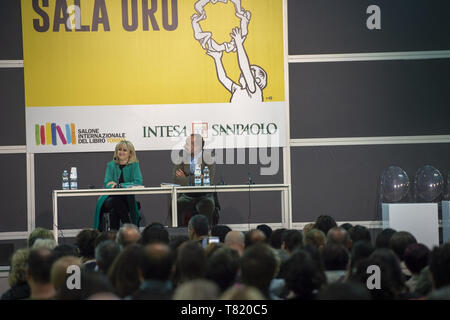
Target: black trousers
(117,207)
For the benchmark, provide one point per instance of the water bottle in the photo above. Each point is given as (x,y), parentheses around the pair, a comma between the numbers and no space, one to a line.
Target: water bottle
(206,179)
(198,175)
(65,180)
(73,178)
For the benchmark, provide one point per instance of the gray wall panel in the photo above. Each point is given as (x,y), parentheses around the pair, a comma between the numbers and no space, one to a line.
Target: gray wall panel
(343,181)
(156,167)
(330,26)
(372,98)
(10,30)
(12,107)
(13,195)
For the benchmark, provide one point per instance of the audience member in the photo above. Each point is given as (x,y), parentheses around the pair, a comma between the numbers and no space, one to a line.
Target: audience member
(340,236)
(335,260)
(128,234)
(123,273)
(440,266)
(358,233)
(198,227)
(235,240)
(44,243)
(105,254)
(64,250)
(303,276)
(360,250)
(155,233)
(347,226)
(259,265)
(383,238)
(106,235)
(308,227)
(315,238)
(58,272)
(276,238)
(324,223)
(416,258)
(155,270)
(17,278)
(198,289)
(220,231)
(191,262)
(85,242)
(92,284)
(222,267)
(39,233)
(398,243)
(40,262)
(266,230)
(242,292)
(254,236)
(292,239)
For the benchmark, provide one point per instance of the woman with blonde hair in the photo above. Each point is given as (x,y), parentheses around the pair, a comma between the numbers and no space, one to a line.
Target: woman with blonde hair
(122,172)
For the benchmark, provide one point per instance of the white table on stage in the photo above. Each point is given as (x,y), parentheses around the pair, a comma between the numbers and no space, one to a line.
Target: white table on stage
(285,189)
(420,219)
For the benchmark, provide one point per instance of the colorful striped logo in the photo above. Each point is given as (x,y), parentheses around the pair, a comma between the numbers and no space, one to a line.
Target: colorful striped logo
(46,135)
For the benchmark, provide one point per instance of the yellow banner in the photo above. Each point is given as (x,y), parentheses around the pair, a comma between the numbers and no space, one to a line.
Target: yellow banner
(151,52)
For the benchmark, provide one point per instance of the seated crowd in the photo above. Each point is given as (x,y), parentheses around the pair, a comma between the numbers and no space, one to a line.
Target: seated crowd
(323,261)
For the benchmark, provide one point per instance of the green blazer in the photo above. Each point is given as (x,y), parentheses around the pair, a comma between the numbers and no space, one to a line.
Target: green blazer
(131,176)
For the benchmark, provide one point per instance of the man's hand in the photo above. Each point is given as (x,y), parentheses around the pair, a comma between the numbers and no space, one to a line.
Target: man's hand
(236,35)
(112,184)
(180,173)
(215,54)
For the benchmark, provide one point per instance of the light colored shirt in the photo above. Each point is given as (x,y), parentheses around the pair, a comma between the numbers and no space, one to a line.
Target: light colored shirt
(196,160)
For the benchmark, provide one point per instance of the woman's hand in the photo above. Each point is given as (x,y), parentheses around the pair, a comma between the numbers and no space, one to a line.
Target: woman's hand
(180,173)
(112,184)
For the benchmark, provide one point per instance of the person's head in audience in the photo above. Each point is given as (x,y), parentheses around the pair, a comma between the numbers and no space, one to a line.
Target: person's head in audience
(254,236)
(155,233)
(440,266)
(292,239)
(347,226)
(308,227)
(177,241)
(383,238)
(18,272)
(259,265)
(324,223)
(339,235)
(39,233)
(276,238)
(105,253)
(242,292)
(349,290)
(235,240)
(128,234)
(191,262)
(222,267)
(266,229)
(315,238)
(360,250)
(400,241)
(358,233)
(85,242)
(123,273)
(40,262)
(58,273)
(220,231)
(211,248)
(91,284)
(303,276)
(335,257)
(397,279)
(198,289)
(44,243)
(106,235)
(416,257)
(64,250)
(198,227)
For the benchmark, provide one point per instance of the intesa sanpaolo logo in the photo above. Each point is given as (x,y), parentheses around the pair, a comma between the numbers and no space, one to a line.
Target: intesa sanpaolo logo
(49,133)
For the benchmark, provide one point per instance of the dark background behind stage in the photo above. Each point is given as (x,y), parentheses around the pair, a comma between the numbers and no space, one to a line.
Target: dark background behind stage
(346,99)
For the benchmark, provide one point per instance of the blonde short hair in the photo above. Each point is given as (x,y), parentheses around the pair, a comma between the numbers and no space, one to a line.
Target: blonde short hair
(130,147)
(19,265)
